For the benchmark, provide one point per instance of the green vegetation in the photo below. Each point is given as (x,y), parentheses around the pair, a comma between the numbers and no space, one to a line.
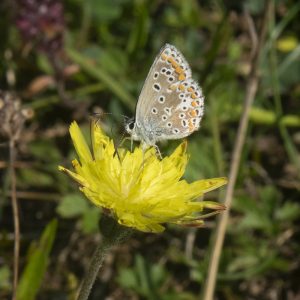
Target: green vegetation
(91,58)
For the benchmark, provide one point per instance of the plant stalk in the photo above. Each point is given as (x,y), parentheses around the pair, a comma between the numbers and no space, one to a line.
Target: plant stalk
(97,261)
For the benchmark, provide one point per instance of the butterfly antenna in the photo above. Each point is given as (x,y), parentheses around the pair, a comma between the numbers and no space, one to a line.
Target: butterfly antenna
(119,143)
(100,114)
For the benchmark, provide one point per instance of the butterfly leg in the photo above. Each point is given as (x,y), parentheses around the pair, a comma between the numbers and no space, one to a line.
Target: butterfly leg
(131,144)
(145,146)
(120,143)
(116,146)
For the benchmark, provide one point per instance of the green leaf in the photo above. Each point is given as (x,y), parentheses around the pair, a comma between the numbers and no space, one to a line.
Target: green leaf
(34,177)
(288,212)
(158,273)
(90,220)
(269,197)
(252,220)
(102,75)
(35,269)
(243,262)
(106,10)
(38,149)
(114,60)
(5,278)
(72,205)
(140,30)
(127,278)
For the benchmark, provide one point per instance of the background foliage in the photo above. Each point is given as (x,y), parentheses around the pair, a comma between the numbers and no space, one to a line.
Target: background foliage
(93,57)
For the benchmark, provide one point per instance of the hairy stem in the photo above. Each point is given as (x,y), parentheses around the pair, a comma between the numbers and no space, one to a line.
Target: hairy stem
(251,89)
(97,261)
(15,208)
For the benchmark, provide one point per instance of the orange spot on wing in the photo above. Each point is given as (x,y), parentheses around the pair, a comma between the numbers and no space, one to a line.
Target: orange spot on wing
(171,60)
(181,87)
(175,65)
(194,96)
(191,126)
(181,77)
(178,70)
(194,103)
(193,113)
(190,89)
(164,56)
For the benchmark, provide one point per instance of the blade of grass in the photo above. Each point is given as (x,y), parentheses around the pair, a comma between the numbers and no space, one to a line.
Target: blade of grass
(288,143)
(102,75)
(215,128)
(35,269)
(278,29)
(251,89)
(80,92)
(290,59)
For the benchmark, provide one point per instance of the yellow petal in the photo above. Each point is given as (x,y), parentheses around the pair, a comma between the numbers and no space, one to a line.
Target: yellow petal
(207,185)
(99,139)
(139,189)
(80,144)
(75,176)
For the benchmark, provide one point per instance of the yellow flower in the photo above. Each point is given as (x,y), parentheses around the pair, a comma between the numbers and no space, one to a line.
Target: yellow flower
(137,188)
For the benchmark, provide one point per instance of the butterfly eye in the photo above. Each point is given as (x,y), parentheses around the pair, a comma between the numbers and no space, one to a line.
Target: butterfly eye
(130,126)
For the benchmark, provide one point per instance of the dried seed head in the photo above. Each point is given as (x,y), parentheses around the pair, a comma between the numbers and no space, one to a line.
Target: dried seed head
(12,115)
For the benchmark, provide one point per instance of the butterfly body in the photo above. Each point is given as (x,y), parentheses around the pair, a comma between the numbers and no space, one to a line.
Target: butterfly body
(171,103)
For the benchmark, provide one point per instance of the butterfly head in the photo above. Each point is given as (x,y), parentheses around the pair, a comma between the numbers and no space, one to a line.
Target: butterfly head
(137,133)
(130,127)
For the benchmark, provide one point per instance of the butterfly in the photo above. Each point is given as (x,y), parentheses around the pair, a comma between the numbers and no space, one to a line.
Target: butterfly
(171,103)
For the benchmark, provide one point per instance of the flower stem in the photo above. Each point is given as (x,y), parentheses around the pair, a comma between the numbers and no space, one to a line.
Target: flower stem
(97,261)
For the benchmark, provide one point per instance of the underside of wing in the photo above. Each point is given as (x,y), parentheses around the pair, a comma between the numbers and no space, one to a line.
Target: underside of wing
(171,102)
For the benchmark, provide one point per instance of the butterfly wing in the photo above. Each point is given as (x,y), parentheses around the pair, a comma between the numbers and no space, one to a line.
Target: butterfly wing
(171,102)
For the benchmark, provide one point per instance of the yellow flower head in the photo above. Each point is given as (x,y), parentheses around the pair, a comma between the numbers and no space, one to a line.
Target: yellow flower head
(137,188)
